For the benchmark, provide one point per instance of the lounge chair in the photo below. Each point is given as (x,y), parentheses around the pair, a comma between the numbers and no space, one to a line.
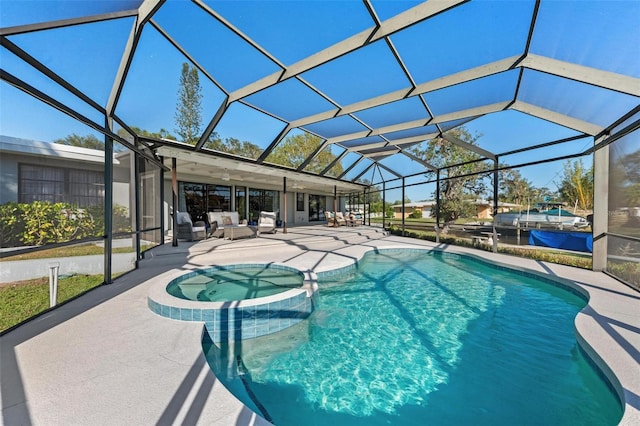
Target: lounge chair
(267,223)
(187,230)
(340,220)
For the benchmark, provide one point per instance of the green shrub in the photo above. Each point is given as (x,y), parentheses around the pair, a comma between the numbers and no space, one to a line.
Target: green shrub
(42,222)
(416,214)
(627,271)
(11,224)
(46,222)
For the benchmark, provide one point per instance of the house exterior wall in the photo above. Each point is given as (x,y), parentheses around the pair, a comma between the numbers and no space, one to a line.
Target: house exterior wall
(9,178)
(483,211)
(10,162)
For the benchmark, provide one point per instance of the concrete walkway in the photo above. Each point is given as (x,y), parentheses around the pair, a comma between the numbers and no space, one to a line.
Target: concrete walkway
(106,359)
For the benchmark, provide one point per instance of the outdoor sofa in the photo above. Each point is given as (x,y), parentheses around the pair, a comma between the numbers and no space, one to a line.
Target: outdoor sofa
(219,220)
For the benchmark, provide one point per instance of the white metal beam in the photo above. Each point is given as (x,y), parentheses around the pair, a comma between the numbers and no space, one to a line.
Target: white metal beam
(554,117)
(439,83)
(471,112)
(366,146)
(381,153)
(467,75)
(40,26)
(482,152)
(608,80)
(457,115)
(413,139)
(600,224)
(350,136)
(419,160)
(414,15)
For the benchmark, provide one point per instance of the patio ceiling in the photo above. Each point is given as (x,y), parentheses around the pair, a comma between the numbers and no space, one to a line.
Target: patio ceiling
(371,79)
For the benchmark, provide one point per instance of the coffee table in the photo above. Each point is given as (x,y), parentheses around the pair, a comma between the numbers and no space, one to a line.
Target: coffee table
(240,231)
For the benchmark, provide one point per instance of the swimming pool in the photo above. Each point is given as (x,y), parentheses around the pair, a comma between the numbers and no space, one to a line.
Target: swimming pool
(235,282)
(424,335)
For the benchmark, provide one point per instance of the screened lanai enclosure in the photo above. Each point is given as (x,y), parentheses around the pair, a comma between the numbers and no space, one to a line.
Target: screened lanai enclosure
(510,123)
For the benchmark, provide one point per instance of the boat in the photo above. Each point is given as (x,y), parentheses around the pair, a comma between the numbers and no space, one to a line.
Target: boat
(555,218)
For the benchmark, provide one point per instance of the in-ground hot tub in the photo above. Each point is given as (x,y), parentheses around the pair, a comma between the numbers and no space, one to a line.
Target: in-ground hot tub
(239,301)
(235,282)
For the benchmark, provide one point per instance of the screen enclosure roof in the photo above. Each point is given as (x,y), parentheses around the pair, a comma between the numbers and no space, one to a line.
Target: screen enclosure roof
(353,86)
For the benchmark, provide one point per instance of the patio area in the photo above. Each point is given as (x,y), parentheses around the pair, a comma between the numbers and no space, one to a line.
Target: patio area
(105,358)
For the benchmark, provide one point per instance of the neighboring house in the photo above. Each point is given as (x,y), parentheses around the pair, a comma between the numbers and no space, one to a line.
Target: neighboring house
(424,207)
(33,170)
(484,208)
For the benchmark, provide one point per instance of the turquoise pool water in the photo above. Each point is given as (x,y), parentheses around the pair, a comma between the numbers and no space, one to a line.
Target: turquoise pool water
(235,282)
(424,338)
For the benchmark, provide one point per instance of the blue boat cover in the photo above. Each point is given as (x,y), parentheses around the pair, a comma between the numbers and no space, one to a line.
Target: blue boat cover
(577,241)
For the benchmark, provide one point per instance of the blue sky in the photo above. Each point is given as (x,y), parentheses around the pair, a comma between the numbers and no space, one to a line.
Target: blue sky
(592,33)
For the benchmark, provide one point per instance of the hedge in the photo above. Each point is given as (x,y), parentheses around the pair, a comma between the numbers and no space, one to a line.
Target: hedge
(43,222)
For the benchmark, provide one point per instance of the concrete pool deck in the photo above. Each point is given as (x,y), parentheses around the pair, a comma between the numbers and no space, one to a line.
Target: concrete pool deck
(107,359)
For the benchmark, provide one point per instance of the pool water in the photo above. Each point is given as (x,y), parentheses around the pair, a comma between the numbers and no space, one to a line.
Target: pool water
(424,338)
(235,282)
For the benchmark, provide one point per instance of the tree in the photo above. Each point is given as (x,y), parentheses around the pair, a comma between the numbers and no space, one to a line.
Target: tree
(295,149)
(374,196)
(459,189)
(89,141)
(188,109)
(161,134)
(576,185)
(234,146)
(514,188)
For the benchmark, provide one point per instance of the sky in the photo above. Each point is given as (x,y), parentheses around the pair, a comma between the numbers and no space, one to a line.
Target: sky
(592,33)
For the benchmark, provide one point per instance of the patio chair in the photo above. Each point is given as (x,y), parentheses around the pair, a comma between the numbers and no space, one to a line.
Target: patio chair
(329,216)
(267,223)
(355,219)
(187,230)
(340,219)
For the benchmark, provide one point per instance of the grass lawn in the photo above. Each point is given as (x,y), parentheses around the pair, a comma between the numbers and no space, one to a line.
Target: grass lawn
(20,300)
(23,299)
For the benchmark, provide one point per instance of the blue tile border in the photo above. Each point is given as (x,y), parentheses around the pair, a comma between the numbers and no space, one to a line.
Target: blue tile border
(244,322)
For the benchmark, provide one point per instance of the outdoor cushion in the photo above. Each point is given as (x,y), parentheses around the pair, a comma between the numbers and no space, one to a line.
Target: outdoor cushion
(183,218)
(226,220)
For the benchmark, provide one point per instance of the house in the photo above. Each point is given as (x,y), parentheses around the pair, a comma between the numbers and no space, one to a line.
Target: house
(484,208)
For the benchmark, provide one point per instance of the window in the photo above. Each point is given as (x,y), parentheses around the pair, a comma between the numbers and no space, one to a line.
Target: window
(83,188)
(299,202)
(262,200)
(218,198)
(317,206)
(241,201)
(199,198)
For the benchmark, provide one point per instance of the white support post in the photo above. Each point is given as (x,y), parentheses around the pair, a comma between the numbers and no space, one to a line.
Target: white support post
(600,207)
(53,283)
